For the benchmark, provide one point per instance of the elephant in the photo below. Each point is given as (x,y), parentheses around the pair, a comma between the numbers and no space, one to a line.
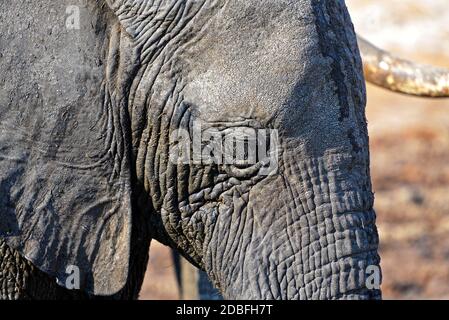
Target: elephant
(381,68)
(97,160)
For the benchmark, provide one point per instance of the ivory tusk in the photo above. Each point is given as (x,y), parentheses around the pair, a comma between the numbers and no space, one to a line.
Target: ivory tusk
(399,75)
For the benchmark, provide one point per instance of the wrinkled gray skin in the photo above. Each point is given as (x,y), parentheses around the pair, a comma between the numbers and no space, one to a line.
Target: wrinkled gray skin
(85,121)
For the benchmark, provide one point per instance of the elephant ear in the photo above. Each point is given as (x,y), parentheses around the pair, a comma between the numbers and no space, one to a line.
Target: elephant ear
(65,191)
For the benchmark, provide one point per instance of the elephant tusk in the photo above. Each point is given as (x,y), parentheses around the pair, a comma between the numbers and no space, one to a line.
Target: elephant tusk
(399,75)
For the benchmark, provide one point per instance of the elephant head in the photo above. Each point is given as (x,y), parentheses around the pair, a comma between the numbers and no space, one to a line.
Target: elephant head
(137,119)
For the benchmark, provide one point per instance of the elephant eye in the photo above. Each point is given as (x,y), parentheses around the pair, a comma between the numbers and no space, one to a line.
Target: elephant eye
(248,152)
(239,151)
(236,146)
(241,172)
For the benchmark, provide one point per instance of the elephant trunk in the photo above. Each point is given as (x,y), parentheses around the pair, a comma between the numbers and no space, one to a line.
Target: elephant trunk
(307,233)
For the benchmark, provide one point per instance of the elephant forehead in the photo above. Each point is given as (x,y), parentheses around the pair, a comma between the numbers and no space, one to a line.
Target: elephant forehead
(252,59)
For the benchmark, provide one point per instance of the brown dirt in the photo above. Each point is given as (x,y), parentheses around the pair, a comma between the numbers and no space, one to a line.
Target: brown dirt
(410,170)
(160,282)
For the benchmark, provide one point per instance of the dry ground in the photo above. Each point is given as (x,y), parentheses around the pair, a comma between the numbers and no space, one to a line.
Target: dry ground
(409,159)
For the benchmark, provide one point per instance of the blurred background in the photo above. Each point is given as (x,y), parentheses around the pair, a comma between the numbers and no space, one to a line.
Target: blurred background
(409,140)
